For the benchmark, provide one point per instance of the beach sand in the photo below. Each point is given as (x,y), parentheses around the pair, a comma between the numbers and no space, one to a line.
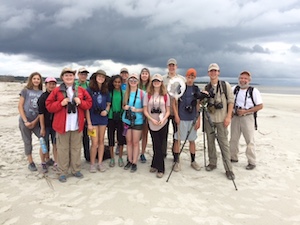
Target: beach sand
(269,194)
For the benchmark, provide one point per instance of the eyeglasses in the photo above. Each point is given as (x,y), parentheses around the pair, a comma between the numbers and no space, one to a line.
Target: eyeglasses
(133,80)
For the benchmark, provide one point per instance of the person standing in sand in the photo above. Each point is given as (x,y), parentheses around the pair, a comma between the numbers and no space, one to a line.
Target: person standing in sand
(172,67)
(247,102)
(29,114)
(68,105)
(47,131)
(220,105)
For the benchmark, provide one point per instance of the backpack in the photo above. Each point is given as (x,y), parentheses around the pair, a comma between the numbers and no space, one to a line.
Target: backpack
(250,91)
(224,88)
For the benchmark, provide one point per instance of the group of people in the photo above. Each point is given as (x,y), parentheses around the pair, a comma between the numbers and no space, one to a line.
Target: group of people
(127,107)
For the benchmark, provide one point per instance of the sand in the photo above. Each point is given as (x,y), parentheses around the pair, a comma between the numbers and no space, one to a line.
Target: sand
(269,194)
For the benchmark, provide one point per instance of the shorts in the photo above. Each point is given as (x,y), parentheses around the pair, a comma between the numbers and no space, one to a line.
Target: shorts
(183,129)
(136,127)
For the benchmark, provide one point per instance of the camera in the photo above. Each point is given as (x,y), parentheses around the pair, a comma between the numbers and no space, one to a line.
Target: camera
(155,110)
(130,116)
(202,95)
(218,105)
(71,107)
(189,108)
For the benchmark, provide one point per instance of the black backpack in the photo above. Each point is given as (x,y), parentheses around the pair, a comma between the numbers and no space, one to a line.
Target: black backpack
(250,91)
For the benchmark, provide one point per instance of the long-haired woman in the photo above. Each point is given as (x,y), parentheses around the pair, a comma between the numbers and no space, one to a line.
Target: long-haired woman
(115,124)
(97,117)
(144,84)
(29,114)
(157,111)
(133,120)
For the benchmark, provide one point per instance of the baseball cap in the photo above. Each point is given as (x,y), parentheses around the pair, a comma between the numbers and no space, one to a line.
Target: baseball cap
(213,66)
(134,75)
(172,61)
(67,70)
(191,72)
(83,70)
(246,72)
(124,70)
(157,77)
(50,79)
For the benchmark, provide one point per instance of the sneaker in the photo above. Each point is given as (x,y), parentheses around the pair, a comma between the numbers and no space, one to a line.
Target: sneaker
(195,166)
(153,170)
(93,169)
(117,150)
(176,167)
(143,158)
(78,174)
(112,163)
(159,174)
(101,167)
(32,167)
(234,160)
(128,165)
(250,167)
(44,167)
(210,167)
(50,162)
(133,168)
(230,175)
(55,167)
(120,162)
(62,178)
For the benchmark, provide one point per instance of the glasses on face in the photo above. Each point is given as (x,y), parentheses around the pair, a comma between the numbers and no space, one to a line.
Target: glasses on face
(133,80)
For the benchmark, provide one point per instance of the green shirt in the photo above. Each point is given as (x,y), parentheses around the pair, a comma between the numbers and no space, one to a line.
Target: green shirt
(85,85)
(116,103)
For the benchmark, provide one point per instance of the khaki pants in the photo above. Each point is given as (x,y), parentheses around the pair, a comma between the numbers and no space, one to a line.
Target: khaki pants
(243,125)
(222,133)
(69,151)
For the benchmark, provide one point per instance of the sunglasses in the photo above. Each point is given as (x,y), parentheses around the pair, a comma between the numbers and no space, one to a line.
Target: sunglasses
(133,80)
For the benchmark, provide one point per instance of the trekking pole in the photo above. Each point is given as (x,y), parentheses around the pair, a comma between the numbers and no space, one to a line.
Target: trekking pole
(204,145)
(187,136)
(216,136)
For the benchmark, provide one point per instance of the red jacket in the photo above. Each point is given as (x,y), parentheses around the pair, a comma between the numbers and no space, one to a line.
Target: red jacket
(53,105)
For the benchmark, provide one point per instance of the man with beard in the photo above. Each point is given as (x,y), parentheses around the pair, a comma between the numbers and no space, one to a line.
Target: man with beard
(247,102)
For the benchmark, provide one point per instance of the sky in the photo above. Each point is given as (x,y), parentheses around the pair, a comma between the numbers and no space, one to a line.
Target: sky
(261,36)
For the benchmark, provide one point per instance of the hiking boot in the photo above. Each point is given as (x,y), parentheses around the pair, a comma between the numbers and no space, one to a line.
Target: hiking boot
(176,167)
(153,170)
(133,168)
(62,178)
(230,175)
(159,174)
(143,158)
(210,167)
(101,167)
(195,166)
(250,167)
(44,167)
(112,163)
(93,169)
(32,167)
(120,162)
(128,165)
(55,167)
(50,162)
(234,160)
(78,174)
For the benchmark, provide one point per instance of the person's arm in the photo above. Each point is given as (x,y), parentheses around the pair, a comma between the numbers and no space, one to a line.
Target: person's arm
(88,119)
(42,124)
(175,110)
(197,124)
(21,110)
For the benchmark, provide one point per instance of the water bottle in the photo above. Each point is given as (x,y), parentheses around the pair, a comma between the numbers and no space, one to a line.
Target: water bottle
(125,129)
(43,145)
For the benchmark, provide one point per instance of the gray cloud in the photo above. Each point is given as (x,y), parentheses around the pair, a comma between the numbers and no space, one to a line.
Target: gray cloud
(236,34)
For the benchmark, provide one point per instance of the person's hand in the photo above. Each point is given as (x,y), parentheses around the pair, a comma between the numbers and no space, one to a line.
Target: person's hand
(133,109)
(227,121)
(197,125)
(103,113)
(177,119)
(126,107)
(241,112)
(77,101)
(64,102)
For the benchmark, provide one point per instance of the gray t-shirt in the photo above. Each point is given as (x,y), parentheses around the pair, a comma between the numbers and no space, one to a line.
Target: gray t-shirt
(31,108)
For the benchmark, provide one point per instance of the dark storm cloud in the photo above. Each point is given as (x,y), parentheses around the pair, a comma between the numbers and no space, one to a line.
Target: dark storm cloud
(143,32)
